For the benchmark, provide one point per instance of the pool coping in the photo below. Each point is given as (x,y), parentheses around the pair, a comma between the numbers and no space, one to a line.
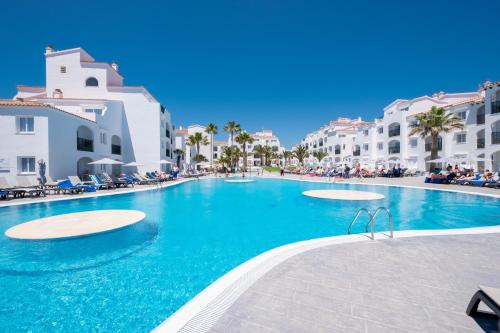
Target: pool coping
(97,194)
(201,312)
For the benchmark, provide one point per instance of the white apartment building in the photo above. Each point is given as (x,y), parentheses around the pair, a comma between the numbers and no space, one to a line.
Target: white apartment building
(181,140)
(386,141)
(263,138)
(83,113)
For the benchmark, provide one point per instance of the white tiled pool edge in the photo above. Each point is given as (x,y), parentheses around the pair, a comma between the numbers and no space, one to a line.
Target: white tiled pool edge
(203,311)
(97,194)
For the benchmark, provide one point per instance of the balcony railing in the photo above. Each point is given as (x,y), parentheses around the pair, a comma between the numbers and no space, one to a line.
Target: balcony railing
(394,132)
(84,144)
(394,150)
(495,107)
(495,137)
(480,119)
(116,149)
(480,143)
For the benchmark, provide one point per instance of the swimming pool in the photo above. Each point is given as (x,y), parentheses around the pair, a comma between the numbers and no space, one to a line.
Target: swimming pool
(130,280)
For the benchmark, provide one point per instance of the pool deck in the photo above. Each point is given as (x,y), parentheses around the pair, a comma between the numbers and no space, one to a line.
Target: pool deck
(414,284)
(98,193)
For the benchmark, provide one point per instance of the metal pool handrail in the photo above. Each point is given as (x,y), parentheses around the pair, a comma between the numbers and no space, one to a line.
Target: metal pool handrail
(356,217)
(371,223)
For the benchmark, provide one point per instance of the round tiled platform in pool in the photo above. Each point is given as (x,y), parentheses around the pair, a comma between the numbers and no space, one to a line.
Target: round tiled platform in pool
(75,224)
(343,195)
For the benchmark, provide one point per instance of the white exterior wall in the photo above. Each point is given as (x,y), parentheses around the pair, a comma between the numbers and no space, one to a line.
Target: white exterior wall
(144,128)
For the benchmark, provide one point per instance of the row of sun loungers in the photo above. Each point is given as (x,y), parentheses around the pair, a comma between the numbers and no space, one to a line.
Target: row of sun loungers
(477,180)
(30,185)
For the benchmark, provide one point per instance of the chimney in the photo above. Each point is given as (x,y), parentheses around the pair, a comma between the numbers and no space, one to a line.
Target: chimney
(114,65)
(49,49)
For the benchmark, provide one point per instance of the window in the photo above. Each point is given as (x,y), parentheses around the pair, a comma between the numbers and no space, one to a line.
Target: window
(96,111)
(461,138)
(413,142)
(91,82)
(365,147)
(27,164)
(380,130)
(103,139)
(462,115)
(380,146)
(26,124)
(63,69)
(365,132)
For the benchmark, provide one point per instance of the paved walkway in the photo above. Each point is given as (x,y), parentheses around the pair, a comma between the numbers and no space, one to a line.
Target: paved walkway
(409,284)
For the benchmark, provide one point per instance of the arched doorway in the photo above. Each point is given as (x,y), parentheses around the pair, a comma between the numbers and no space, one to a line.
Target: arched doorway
(83,168)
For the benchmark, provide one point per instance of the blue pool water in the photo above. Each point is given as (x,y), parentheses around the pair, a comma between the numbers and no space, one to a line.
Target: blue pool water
(130,280)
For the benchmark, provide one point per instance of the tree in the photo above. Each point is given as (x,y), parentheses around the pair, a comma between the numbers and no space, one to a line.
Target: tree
(232,128)
(268,154)
(179,153)
(259,151)
(212,130)
(433,123)
(232,154)
(243,139)
(287,154)
(197,139)
(300,152)
(320,155)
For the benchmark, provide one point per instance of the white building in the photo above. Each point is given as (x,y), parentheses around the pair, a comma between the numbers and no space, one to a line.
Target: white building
(181,142)
(263,138)
(387,141)
(82,114)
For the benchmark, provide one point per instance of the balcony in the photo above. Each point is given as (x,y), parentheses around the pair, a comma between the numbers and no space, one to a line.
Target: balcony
(84,144)
(495,107)
(480,143)
(337,151)
(480,119)
(356,153)
(495,137)
(394,132)
(116,149)
(394,150)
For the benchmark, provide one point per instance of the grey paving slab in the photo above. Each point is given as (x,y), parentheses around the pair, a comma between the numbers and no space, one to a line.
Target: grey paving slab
(420,284)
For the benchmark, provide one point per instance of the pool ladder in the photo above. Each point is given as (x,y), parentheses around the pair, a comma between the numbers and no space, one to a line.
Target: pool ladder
(371,222)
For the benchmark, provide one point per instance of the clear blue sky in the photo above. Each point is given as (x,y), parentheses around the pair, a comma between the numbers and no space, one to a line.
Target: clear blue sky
(286,65)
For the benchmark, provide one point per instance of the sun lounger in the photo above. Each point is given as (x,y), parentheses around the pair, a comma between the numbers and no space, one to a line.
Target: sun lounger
(5,186)
(99,184)
(491,298)
(68,188)
(77,182)
(120,181)
(30,185)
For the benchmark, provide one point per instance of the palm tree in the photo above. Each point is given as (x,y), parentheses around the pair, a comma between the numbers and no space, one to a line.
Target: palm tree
(232,127)
(300,152)
(268,154)
(287,154)
(212,130)
(179,153)
(259,151)
(232,154)
(320,155)
(197,139)
(243,139)
(432,123)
